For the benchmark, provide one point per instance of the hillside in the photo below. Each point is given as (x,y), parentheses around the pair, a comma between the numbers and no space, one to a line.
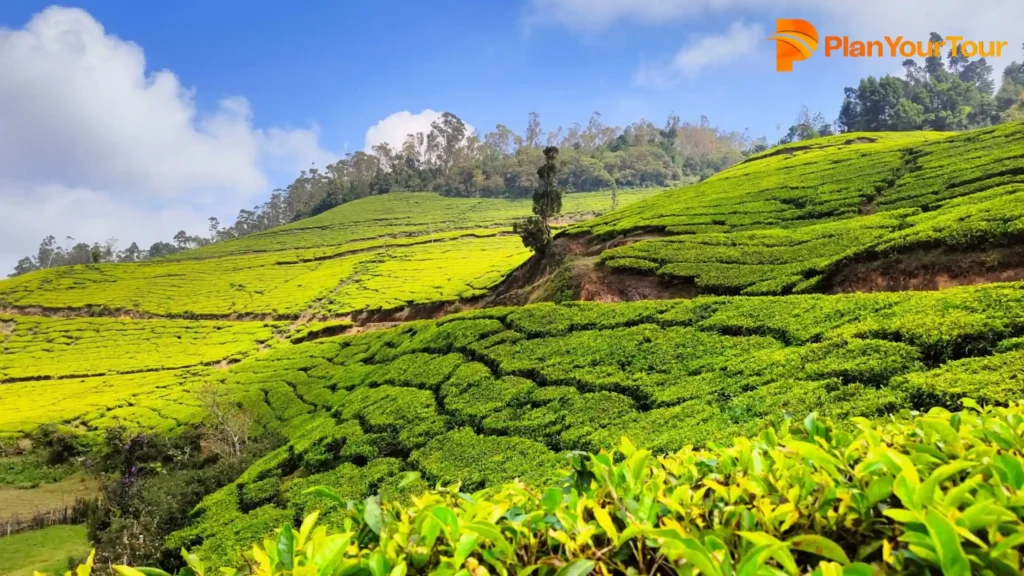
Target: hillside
(92,346)
(283,324)
(847,212)
(487,396)
(376,253)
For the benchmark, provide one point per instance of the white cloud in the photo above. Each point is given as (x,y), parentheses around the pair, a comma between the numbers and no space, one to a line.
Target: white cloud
(996,20)
(397,126)
(87,215)
(738,41)
(92,145)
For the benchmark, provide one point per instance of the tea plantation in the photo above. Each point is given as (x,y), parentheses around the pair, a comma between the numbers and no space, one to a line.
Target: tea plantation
(491,395)
(376,253)
(784,221)
(483,397)
(93,373)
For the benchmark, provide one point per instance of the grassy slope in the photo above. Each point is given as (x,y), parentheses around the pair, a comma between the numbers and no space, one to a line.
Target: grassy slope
(379,252)
(96,372)
(93,372)
(494,394)
(44,550)
(25,502)
(782,221)
(490,395)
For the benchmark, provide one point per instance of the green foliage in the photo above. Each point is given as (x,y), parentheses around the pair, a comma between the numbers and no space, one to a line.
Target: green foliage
(41,347)
(376,253)
(490,395)
(789,219)
(939,493)
(461,456)
(31,469)
(547,199)
(58,445)
(933,96)
(50,550)
(547,203)
(534,232)
(150,484)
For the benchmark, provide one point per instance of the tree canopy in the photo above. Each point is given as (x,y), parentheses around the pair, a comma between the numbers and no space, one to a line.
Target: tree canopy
(958,94)
(455,161)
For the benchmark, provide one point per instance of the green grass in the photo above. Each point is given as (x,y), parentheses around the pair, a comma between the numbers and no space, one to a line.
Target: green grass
(490,395)
(44,550)
(780,222)
(30,470)
(380,252)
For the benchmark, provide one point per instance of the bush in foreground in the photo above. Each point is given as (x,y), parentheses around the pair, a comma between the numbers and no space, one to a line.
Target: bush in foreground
(941,493)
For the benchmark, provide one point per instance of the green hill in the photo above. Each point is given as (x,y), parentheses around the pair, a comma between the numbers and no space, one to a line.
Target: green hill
(491,394)
(376,253)
(487,396)
(138,360)
(797,217)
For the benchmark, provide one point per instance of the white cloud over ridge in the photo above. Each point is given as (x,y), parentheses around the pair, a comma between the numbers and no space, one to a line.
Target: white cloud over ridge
(395,128)
(92,146)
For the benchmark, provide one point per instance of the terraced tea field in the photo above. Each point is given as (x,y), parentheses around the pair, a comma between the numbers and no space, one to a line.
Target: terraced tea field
(92,373)
(492,394)
(142,370)
(380,252)
(495,394)
(37,347)
(794,217)
(278,285)
(390,218)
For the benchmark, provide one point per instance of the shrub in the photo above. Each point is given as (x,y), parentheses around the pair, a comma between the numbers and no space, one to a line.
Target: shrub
(252,496)
(938,493)
(59,444)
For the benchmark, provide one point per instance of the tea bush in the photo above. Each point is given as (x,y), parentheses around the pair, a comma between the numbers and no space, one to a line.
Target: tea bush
(490,395)
(777,222)
(41,347)
(402,216)
(381,252)
(938,493)
(274,284)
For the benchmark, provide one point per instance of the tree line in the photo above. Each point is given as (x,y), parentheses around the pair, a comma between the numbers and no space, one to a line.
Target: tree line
(952,94)
(949,94)
(453,160)
(52,254)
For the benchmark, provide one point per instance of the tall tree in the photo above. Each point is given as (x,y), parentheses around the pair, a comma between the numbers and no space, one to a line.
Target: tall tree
(533,130)
(953,95)
(547,203)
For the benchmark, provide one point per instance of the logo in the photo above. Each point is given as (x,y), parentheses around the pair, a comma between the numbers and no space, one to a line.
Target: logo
(795,39)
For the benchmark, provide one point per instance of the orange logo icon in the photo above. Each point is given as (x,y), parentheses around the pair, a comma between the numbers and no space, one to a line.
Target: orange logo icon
(795,39)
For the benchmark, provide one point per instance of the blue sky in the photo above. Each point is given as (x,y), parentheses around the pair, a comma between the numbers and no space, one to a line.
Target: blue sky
(347,65)
(233,97)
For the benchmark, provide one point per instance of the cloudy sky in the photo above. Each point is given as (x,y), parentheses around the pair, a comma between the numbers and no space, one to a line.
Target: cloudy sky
(137,119)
